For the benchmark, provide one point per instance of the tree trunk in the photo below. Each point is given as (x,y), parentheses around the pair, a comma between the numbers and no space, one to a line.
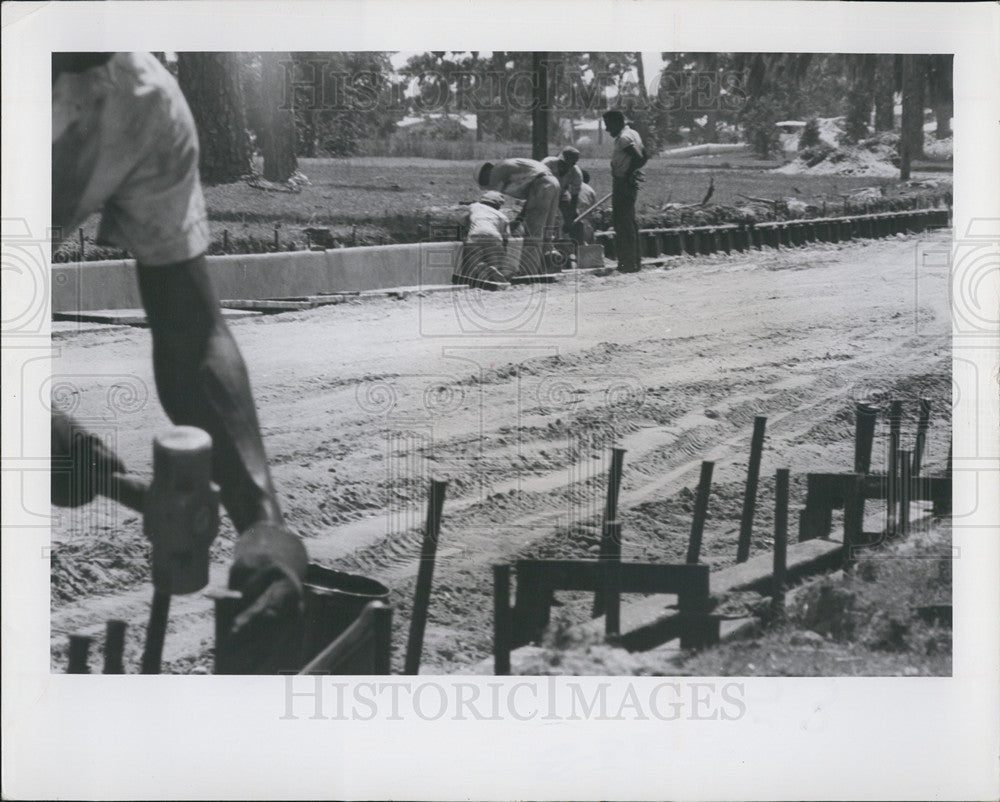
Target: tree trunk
(277,137)
(884,95)
(540,107)
(912,134)
(942,115)
(211,83)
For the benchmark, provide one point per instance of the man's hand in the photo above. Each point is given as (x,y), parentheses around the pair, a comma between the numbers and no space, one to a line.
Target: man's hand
(269,564)
(81,464)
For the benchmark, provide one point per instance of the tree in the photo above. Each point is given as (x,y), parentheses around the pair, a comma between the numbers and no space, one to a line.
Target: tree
(860,69)
(911,138)
(539,106)
(885,115)
(940,93)
(213,88)
(277,135)
(342,99)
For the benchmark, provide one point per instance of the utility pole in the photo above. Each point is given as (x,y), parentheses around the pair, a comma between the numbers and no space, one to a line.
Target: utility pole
(540,106)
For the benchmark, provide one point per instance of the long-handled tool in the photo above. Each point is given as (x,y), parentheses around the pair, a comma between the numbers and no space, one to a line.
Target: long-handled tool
(180,512)
(181,519)
(587,211)
(425,575)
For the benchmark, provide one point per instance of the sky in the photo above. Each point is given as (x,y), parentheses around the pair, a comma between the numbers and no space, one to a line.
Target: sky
(651,62)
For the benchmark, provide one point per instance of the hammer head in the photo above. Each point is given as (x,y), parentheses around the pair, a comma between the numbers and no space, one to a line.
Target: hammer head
(181,510)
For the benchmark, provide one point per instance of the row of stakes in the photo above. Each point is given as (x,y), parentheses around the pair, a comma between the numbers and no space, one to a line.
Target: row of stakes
(903,467)
(903,464)
(902,476)
(729,237)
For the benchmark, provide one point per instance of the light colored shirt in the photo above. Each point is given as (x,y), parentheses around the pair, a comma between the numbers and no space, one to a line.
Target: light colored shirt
(513,176)
(569,181)
(485,222)
(588,197)
(620,160)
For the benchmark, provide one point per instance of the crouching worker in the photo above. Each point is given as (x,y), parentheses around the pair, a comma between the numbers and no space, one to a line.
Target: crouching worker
(484,252)
(532,182)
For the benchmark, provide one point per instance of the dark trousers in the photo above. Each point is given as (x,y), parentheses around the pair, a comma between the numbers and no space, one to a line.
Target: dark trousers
(623,196)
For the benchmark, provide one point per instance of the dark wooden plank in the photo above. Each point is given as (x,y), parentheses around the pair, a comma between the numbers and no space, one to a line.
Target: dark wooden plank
(587,575)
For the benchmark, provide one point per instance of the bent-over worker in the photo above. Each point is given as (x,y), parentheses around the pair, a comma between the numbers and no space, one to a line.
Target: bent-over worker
(532,182)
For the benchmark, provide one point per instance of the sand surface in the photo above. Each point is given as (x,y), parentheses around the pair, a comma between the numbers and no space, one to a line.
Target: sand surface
(516,398)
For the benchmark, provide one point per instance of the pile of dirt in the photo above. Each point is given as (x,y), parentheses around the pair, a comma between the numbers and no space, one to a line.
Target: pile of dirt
(877,156)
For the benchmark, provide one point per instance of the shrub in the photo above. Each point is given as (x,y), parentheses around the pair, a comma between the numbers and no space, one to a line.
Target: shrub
(810,135)
(759,125)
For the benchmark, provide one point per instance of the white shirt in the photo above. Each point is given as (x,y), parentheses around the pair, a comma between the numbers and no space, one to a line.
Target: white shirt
(620,160)
(485,222)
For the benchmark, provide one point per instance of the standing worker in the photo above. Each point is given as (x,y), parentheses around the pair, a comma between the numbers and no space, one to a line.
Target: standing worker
(530,181)
(484,253)
(564,167)
(124,143)
(627,159)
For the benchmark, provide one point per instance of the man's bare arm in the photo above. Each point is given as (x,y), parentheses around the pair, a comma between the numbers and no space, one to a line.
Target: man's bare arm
(202,381)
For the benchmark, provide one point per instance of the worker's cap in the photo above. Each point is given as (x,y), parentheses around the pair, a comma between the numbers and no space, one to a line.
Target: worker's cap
(482,173)
(614,115)
(570,154)
(492,198)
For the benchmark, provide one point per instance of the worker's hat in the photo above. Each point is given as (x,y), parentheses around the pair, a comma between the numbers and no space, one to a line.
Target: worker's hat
(482,172)
(569,154)
(492,198)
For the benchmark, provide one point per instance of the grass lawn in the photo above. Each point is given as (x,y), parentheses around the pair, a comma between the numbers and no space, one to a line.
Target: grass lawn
(388,199)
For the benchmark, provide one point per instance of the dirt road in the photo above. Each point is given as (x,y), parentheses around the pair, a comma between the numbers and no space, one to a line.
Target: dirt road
(516,398)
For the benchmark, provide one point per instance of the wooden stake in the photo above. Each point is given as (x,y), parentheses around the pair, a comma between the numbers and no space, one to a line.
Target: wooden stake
(610,514)
(922,425)
(892,473)
(502,626)
(155,633)
(79,654)
(864,435)
(780,538)
(854,516)
(750,495)
(612,580)
(905,463)
(700,512)
(425,576)
(114,647)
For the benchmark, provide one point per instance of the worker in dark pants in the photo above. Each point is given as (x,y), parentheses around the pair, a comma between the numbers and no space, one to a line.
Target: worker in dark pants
(124,143)
(627,160)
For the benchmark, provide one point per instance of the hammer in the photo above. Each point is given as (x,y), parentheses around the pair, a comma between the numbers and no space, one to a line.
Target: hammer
(181,519)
